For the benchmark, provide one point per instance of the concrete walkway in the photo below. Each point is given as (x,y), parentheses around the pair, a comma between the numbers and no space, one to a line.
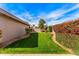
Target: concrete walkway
(36,29)
(63,47)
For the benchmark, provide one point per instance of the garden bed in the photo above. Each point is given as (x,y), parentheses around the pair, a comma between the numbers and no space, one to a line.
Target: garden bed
(69,40)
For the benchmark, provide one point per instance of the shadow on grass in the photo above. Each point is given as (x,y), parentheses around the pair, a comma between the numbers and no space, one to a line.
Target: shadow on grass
(30,42)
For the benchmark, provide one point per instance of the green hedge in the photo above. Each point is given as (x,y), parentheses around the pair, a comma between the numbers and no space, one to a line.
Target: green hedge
(49,29)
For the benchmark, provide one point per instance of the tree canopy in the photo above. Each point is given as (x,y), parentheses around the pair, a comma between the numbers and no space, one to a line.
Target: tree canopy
(41,23)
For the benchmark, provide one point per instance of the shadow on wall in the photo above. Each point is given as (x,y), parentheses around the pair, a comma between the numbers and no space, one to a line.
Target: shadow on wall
(30,42)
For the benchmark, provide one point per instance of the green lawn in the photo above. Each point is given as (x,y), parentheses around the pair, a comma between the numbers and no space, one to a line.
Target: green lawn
(70,41)
(37,43)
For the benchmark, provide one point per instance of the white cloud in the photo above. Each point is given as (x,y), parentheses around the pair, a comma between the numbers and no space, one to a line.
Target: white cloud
(73,8)
(52,16)
(72,17)
(60,12)
(26,16)
(55,14)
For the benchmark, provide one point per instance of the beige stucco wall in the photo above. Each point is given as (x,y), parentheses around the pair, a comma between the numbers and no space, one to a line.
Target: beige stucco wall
(10,28)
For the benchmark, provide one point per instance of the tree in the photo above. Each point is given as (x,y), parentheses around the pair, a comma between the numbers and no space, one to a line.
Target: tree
(41,23)
(49,29)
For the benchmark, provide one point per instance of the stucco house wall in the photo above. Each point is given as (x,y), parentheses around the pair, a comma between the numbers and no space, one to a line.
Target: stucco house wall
(11,28)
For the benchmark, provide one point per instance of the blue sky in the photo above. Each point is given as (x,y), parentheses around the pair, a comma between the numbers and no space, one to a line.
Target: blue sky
(53,13)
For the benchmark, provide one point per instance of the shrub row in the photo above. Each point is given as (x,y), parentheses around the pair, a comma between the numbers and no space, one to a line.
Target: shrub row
(68,40)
